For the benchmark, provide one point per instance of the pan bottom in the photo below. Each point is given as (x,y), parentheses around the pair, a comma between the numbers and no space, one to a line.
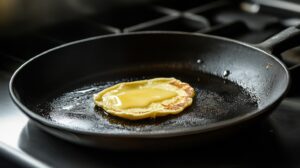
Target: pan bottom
(216,100)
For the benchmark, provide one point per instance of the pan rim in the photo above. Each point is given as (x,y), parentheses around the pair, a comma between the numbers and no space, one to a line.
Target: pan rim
(157,134)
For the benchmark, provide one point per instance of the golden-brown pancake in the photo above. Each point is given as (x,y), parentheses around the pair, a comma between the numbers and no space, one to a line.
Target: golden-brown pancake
(145,98)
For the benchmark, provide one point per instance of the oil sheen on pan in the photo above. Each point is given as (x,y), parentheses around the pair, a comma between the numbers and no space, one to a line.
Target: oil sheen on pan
(216,99)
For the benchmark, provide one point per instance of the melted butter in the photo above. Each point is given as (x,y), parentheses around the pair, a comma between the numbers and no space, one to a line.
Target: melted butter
(142,97)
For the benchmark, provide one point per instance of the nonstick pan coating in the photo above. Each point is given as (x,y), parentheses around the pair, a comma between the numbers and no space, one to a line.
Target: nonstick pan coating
(234,82)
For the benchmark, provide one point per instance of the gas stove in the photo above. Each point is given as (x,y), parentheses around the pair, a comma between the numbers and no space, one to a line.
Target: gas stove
(271,143)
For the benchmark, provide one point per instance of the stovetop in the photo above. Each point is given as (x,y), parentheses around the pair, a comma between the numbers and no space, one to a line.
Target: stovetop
(271,143)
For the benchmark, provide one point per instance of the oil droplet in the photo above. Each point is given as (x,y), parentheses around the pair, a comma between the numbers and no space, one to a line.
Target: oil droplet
(199,61)
(268,66)
(249,7)
(226,73)
(86,90)
(67,107)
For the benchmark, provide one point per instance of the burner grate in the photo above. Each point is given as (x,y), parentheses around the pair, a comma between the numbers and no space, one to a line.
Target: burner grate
(181,23)
(240,20)
(75,30)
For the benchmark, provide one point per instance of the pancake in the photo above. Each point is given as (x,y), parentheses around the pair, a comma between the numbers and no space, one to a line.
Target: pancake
(149,98)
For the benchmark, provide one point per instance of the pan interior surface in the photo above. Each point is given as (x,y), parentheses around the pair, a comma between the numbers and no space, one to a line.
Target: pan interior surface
(216,100)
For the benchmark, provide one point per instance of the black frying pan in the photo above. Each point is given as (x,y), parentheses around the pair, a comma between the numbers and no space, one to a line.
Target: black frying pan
(234,82)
